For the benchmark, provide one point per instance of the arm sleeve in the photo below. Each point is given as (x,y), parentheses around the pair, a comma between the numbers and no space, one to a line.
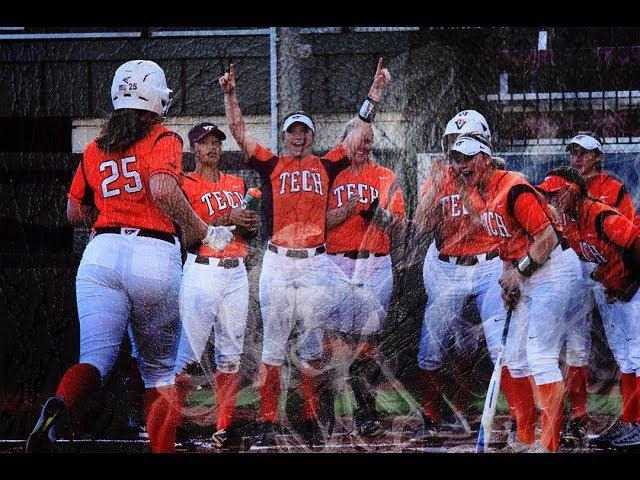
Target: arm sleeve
(396,200)
(166,155)
(335,161)
(528,211)
(80,192)
(625,204)
(619,230)
(263,161)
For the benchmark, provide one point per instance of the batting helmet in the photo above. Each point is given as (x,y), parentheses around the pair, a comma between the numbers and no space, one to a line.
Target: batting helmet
(140,84)
(466,121)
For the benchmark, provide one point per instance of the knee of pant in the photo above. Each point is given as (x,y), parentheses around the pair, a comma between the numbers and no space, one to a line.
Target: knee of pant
(518,370)
(156,378)
(545,371)
(228,364)
(309,355)
(271,358)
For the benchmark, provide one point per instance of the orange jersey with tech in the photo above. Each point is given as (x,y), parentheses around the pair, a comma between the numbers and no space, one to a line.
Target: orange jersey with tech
(610,190)
(600,235)
(117,184)
(212,200)
(295,193)
(457,233)
(512,212)
(356,233)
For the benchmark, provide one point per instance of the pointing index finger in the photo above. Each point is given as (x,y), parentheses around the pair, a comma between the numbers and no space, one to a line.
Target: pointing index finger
(379,68)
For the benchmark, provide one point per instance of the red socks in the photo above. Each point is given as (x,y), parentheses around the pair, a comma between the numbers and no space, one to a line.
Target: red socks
(462,374)
(78,382)
(629,391)
(163,416)
(431,385)
(551,402)
(269,381)
(577,390)
(226,391)
(519,395)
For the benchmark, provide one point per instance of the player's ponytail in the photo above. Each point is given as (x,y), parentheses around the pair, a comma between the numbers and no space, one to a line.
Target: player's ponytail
(124,128)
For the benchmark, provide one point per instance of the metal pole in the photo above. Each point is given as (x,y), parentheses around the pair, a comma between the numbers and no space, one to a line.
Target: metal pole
(273,61)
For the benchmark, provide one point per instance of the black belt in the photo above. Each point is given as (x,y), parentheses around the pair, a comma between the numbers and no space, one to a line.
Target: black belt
(564,244)
(223,262)
(142,232)
(292,253)
(357,254)
(468,260)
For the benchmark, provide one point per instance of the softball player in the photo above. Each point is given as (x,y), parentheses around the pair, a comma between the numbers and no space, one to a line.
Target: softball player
(127,185)
(296,281)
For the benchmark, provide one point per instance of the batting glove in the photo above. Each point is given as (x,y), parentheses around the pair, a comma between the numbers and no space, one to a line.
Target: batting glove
(218,237)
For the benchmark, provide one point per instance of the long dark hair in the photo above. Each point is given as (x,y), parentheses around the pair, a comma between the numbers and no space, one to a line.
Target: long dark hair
(125,127)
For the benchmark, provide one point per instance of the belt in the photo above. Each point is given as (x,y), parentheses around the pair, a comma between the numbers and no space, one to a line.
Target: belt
(357,254)
(564,244)
(469,260)
(137,232)
(223,262)
(296,253)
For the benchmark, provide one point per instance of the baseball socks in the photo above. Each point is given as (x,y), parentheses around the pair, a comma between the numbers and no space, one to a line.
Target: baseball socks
(309,391)
(462,374)
(551,402)
(431,386)
(577,390)
(79,381)
(163,417)
(519,395)
(629,390)
(226,392)
(269,381)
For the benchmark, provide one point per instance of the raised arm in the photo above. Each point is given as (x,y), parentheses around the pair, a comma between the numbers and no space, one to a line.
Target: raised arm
(234,116)
(367,111)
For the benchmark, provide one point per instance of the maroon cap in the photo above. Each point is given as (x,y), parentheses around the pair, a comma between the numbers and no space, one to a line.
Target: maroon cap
(199,131)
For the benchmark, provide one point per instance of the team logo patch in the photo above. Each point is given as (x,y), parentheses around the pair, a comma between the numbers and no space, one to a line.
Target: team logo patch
(208,127)
(130,231)
(460,122)
(122,88)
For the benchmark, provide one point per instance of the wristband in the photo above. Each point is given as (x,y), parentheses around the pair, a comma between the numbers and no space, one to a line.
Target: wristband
(367,111)
(527,265)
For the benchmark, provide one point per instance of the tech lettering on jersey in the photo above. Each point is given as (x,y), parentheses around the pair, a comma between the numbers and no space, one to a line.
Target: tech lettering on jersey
(367,193)
(494,224)
(304,180)
(222,200)
(452,206)
(591,253)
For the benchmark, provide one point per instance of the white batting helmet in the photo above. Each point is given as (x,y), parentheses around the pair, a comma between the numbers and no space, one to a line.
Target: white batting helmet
(140,84)
(466,121)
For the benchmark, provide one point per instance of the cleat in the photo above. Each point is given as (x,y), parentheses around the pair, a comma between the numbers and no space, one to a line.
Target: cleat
(43,436)
(618,430)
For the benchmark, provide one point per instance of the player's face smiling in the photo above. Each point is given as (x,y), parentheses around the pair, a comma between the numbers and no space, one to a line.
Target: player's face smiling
(208,150)
(583,160)
(468,168)
(298,139)
(361,154)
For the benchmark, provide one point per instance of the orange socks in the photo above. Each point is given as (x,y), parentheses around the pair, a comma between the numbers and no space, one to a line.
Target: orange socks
(551,401)
(163,415)
(519,395)
(629,393)
(577,390)
(269,380)
(431,385)
(226,392)
(79,381)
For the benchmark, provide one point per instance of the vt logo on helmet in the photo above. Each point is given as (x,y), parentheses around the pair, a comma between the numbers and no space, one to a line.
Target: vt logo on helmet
(465,122)
(140,84)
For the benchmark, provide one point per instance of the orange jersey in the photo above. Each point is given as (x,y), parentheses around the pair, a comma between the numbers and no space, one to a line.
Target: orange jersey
(512,212)
(356,233)
(600,235)
(295,194)
(457,233)
(610,190)
(117,184)
(211,200)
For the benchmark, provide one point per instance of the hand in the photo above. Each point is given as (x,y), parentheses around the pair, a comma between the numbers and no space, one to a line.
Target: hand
(351,204)
(380,80)
(510,281)
(228,81)
(368,213)
(247,219)
(610,295)
(511,299)
(597,273)
(218,237)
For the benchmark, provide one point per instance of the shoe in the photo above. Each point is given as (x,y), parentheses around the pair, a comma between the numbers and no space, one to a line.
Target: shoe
(615,431)
(574,433)
(427,431)
(516,446)
(512,431)
(183,442)
(312,434)
(230,437)
(43,435)
(537,448)
(370,428)
(137,428)
(456,424)
(629,441)
(266,435)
